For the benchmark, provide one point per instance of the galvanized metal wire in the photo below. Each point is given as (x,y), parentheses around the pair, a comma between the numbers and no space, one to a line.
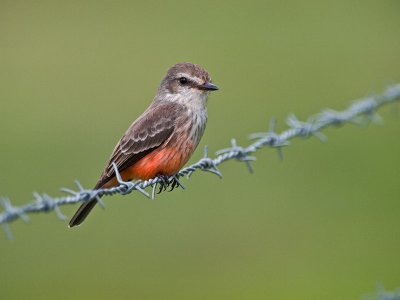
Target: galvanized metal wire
(361,111)
(383,294)
(386,295)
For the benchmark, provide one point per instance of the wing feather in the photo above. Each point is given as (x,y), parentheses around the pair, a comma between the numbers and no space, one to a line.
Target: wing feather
(147,133)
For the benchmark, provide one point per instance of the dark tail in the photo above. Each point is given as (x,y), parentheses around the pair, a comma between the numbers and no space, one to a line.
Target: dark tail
(84,210)
(82,213)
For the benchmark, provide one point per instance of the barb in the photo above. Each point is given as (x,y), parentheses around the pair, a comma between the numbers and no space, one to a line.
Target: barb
(360,112)
(383,294)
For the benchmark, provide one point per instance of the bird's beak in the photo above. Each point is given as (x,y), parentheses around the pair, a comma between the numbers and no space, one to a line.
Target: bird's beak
(208,86)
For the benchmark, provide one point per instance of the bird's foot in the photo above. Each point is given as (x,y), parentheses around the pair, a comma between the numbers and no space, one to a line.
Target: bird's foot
(164,183)
(168,181)
(175,183)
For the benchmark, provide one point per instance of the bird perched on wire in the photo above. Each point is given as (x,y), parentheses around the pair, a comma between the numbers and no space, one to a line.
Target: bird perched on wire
(164,137)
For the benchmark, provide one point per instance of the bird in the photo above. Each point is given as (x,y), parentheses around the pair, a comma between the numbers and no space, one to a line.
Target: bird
(163,138)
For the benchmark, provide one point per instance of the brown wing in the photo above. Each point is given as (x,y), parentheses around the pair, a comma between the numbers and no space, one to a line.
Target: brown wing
(147,133)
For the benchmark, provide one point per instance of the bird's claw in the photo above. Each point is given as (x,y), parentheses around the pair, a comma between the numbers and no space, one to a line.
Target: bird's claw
(174,183)
(164,183)
(167,181)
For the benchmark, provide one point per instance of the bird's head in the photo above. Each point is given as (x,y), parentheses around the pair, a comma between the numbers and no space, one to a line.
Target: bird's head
(186,83)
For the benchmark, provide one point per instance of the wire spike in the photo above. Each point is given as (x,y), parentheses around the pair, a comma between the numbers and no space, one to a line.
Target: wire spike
(68,191)
(214,171)
(189,174)
(376,118)
(100,202)
(37,196)
(249,166)
(178,182)
(5,202)
(24,217)
(139,189)
(257,135)
(280,153)
(272,125)
(79,185)
(7,231)
(117,174)
(59,213)
(322,137)
(234,143)
(153,192)
(205,151)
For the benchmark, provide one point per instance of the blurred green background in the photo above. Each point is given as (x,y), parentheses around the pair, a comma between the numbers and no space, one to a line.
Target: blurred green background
(322,224)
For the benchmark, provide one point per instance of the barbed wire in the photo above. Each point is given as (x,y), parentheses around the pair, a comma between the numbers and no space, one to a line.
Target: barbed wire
(386,295)
(360,112)
(383,294)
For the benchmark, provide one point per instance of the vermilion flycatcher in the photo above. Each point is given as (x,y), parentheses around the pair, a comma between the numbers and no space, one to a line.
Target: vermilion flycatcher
(164,137)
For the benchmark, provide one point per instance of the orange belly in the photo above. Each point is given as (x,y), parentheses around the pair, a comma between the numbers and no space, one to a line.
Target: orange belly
(166,161)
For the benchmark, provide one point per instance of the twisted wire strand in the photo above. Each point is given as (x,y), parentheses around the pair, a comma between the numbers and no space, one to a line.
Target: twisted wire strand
(383,294)
(360,112)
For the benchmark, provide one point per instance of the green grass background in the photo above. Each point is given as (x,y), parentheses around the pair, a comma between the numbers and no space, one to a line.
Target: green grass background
(322,224)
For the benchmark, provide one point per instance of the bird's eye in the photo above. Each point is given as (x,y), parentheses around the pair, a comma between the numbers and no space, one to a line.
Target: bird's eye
(183,80)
